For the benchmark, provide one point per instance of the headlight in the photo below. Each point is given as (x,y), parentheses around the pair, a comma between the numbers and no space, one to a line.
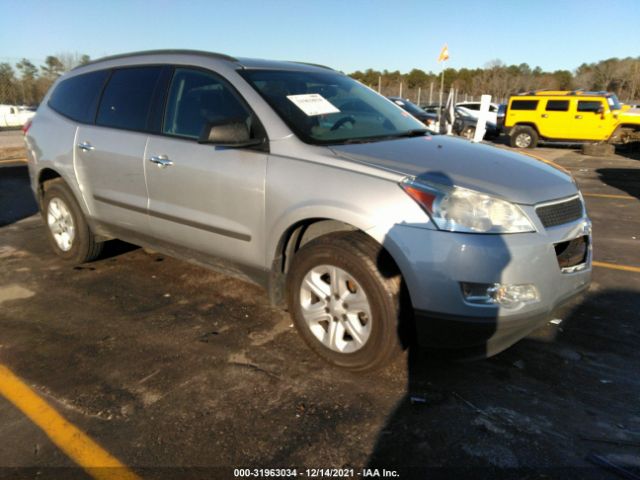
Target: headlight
(459,209)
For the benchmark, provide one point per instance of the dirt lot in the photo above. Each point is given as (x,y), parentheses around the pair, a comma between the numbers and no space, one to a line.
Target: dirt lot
(183,373)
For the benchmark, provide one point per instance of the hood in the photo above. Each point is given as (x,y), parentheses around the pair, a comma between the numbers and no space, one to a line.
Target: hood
(455,161)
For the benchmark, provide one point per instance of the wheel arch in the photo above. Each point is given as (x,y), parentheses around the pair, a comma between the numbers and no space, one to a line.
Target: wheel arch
(296,236)
(45,175)
(526,124)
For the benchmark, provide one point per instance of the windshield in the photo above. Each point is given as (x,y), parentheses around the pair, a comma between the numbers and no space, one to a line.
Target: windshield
(330,108)
(614,103)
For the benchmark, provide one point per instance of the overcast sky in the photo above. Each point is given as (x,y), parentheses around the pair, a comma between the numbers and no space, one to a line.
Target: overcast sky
(348,35)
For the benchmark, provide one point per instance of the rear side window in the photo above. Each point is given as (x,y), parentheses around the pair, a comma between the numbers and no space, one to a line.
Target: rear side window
(198,98)
(77,97)
(127,97)
(589,106)
(524,105)
(557,106)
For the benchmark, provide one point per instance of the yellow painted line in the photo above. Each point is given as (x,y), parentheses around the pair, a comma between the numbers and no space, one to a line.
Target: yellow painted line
(97,462)
(559,167)
(607,195)
(614,266)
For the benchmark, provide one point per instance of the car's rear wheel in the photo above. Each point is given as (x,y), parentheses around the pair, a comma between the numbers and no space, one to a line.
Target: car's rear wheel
(524,137)
(343,295)
(68,232)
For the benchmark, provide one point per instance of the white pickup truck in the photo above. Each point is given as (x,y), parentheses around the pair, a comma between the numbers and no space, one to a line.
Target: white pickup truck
(12,116)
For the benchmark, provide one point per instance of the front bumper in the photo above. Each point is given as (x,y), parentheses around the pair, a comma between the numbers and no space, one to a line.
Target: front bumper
(435,263)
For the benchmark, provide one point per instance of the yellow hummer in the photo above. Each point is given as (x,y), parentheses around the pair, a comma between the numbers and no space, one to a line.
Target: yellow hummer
(568,116)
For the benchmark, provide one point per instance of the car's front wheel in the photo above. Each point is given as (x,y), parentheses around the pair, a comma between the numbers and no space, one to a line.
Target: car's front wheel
(68,231)
(343,294)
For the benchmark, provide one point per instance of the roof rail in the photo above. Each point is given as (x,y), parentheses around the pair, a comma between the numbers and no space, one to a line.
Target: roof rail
(219,56)
(533,92)
(314,65)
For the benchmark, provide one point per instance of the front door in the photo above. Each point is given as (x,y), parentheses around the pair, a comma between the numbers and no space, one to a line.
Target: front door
(591,120)
(201,196)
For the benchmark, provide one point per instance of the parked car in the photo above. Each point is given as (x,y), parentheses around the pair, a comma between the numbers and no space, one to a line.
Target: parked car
(14,116)
(429,119)
(473,109)
(432,108)
(347,211)
(502,111)
(569,116)
(465,125)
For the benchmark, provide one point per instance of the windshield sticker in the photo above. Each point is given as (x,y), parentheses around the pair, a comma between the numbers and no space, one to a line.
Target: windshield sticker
(313,104)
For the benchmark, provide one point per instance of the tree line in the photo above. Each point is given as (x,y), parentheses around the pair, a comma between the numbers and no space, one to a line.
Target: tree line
(621,76)
(26,83)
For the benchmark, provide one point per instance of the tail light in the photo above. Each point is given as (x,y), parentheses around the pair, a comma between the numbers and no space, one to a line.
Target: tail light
(26,127)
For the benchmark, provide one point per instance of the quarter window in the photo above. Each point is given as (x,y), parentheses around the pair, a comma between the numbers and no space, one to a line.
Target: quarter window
(197,99)
(77,97)
(127,98)
(557,106)
(589,106)
(524,105)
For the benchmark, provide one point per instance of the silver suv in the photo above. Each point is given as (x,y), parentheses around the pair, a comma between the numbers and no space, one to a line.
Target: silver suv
(372,231)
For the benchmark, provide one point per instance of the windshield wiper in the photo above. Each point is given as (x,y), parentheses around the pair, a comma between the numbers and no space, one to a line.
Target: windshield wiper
(418,132)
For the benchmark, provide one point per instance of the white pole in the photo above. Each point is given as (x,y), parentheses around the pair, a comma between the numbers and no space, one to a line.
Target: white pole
(379,83)
(400,94)
(431,93)
(440,100)
(419,92)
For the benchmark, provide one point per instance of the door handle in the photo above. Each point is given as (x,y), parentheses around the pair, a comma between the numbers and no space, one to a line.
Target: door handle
(578,116)
(86,146)
(161,161)
(544,115)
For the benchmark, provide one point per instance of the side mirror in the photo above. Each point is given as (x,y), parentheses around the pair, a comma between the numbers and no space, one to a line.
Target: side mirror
(600,110)
(234,134)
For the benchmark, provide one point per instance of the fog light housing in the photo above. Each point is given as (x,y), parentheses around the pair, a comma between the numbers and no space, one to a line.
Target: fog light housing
(507,296)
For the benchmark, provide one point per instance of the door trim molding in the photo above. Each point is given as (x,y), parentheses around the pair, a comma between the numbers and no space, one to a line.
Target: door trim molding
(189,223)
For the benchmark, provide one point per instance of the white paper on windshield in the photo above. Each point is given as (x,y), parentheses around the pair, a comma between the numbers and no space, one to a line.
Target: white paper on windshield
(313,104)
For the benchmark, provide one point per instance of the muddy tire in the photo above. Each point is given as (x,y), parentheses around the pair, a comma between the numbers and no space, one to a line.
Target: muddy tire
(598,149)
(67,230)
(343,293)
(523,137)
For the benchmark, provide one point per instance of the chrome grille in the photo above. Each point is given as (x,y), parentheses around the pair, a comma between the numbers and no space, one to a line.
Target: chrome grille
(560,213)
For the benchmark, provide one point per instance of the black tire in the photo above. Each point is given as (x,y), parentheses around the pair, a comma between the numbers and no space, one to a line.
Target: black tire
(371,267)
(84,246)
(523,137)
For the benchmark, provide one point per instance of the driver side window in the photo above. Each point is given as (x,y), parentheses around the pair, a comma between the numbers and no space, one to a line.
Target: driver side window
(198,98)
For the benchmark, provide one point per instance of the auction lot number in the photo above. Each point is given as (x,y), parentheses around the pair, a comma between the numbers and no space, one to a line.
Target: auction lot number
(313,473)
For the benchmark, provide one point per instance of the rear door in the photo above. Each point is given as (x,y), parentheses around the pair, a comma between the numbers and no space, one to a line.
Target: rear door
(207,198)
(556,118)
(109,155)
